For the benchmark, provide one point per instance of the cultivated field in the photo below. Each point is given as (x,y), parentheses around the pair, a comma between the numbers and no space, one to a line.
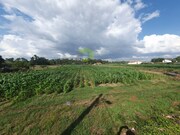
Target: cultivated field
(20,86)
(89,100)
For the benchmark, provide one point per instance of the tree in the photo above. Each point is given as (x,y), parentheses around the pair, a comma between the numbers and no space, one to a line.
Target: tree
(9,60)
(1,61)
(157,60)
(35,60)
(178,59)
(21,63)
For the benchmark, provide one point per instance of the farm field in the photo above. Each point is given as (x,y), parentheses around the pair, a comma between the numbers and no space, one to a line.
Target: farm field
(20,86)
(89,100)
(151,67)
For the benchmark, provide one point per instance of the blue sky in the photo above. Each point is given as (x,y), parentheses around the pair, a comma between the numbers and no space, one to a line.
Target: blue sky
(115,30)
(2,20)
(169,20)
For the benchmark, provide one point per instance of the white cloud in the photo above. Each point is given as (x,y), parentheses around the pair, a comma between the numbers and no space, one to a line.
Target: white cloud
(162,44)
(60,28)
(150,16)
(9,17)
(67,55)
(139,5)
(101,51)
(16,46)
(67,25)
(129,2)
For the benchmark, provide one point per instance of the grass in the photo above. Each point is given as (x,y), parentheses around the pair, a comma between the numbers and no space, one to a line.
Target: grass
(152,67)
(145,106)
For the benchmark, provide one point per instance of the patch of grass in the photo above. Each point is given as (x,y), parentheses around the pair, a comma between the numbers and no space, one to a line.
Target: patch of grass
(160,122)
(143,105)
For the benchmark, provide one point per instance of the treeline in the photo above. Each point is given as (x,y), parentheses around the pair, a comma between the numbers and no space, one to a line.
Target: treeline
(177,59)
(11,64)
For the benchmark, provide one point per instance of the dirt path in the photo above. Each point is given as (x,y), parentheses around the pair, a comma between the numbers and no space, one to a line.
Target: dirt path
(152,72)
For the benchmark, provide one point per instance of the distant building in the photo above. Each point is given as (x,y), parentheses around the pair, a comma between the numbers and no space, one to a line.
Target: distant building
(134,62)
(167,61)
(97,63)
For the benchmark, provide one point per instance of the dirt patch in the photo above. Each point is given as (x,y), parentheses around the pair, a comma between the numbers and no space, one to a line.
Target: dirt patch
(84,102)
(110,84)
(152,72)
(139,115)
(96,131)
(176,103)
(133,98)
(114,91)
(157,81)
(28,127)
(177,77)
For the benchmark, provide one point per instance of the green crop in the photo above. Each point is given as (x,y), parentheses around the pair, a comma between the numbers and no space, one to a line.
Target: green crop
(22,85)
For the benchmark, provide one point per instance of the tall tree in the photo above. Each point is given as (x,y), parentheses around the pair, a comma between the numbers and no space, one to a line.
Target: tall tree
(1,60)
(35,60)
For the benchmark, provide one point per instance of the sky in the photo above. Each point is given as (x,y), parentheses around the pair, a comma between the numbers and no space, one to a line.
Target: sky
(113,29)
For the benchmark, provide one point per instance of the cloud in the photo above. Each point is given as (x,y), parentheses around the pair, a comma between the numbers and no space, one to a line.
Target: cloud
(139,5)
(150,16)
(161,45)
(16,46)
(61,27)
(54,28)
(67,55)
(9,17)
(101,51)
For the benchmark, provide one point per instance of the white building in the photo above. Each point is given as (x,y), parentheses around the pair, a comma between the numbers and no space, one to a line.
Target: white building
(167,61)
(134,62)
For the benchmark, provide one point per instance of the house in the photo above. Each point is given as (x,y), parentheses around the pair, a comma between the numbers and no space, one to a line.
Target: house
(167,61)
(134,62)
